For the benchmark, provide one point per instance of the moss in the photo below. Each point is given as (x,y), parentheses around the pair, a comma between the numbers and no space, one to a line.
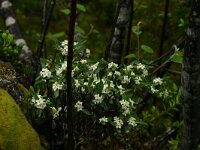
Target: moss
(15,131)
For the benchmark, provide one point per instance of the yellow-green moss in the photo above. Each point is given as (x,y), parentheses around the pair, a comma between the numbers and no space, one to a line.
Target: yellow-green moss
(15,131)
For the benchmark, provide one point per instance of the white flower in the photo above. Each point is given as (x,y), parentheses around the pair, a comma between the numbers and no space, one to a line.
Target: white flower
(97,99)
(157,81)
(110,74)
(64,50)
(94,67)
(165,93)
(79,106)
(77,84)
(145,73)
(121,89)
(132,74)
(126,111)
(111,84)
(129,67)
(117,73)
(112,65)
(105,89)
(87,52)
(56,111)
(138,80)
(103,120)
(75,69)
(39,103)
(124,104)
(64,43)
(132,122)
(64,65)
(56,86)
(140,66)
(59,72)
(126,79)
(153,90)
(45,73)
(83,61)
(118,122)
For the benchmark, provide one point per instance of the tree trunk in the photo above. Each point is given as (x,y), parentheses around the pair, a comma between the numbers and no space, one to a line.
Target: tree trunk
(115,48)
(191,82)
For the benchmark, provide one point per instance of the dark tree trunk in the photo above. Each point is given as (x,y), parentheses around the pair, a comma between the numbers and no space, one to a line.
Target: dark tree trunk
(115,48)
(191,82)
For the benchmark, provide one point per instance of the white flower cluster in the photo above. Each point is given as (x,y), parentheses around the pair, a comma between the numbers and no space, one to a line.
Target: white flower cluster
(103,120)
(97,99)
(112,65)
(157,81)
(45,73)
(40,102)
(56,86)
(118,122)
(132,122)
(126,106)
(62,68)
(79,106)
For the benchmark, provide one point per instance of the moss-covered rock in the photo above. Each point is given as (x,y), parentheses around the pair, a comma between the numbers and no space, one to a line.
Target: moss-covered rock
(15,131)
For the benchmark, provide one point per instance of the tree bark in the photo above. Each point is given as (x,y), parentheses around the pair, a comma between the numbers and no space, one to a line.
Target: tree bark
(191,82)
(116,45)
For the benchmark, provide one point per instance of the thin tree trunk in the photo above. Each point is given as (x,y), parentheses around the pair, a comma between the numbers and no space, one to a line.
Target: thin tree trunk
(191,82)
(69,99)
(116,45)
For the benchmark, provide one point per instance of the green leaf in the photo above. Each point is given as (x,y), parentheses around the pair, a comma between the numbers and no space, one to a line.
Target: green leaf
(177,58)
(79,29)
(81,7)
(85,111)
(65,11)
(147,49)
(130,56)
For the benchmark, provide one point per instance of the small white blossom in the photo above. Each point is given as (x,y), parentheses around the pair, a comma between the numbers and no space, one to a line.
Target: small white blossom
(153,90)
(110,74)
(45,73)
(117,73)
(79,106)
(64,43)
(56,111)
(126,111)
(56,86)
(40,102)
(103,120)
(64,65)
(129,67)
(121,89)
(83,61)
(165,93)
(132,74)
(140,66)
(97,99)
(94,67)
(124,104)
(126,79)
(111,84)
(105,89)
(77,84)
(145,73)
(138,80)
(118,122)
(112,65)
(157,81)
(59,72)
(132,122)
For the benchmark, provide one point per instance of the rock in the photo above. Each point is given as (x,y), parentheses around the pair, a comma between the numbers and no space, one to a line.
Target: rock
(15,131)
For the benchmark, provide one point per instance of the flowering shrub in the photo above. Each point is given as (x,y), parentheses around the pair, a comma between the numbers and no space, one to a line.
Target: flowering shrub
(106,92)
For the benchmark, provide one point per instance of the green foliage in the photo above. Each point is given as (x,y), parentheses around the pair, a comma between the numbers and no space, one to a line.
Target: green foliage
(8,50)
